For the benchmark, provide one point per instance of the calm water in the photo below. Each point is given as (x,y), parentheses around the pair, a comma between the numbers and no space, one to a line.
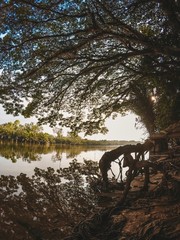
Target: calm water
(16,159)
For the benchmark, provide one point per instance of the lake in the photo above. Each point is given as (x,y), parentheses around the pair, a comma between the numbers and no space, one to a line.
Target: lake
(16,158)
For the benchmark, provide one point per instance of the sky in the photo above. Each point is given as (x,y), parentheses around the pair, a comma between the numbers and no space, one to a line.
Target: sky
(122,128)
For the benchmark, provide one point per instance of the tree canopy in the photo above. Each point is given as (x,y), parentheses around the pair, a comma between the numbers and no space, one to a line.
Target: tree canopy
(77,62)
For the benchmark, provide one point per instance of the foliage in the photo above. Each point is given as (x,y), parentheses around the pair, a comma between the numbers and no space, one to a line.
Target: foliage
(28,133)
(77,62)
(32,133)
(48,205)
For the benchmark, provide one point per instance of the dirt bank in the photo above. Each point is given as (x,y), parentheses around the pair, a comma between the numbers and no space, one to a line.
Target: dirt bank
(152,215)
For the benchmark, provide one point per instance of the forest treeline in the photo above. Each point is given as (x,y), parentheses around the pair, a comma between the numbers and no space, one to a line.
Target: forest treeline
(32,133)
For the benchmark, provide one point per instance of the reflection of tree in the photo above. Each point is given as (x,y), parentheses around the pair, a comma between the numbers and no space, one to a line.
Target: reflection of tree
(57,156)
(25,152)
(50,203)
(30,152)
(74,151)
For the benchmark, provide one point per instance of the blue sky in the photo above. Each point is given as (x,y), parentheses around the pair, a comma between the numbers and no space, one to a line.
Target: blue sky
(122,128)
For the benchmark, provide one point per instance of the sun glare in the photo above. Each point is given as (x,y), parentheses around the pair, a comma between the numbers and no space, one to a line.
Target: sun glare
(153,98)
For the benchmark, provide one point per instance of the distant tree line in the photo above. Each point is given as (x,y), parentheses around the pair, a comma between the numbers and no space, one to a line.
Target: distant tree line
(32,133)
(28,133)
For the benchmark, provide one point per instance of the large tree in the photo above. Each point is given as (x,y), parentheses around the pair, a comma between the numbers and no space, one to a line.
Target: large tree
(77,62)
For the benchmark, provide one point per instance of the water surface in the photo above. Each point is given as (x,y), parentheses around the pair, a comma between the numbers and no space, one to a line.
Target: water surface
(17,158)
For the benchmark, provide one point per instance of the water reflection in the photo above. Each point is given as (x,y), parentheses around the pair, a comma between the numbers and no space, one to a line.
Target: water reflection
(47,206)
(17,158)
(41,203)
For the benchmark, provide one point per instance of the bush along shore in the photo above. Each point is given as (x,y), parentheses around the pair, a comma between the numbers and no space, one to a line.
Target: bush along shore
(31,133)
